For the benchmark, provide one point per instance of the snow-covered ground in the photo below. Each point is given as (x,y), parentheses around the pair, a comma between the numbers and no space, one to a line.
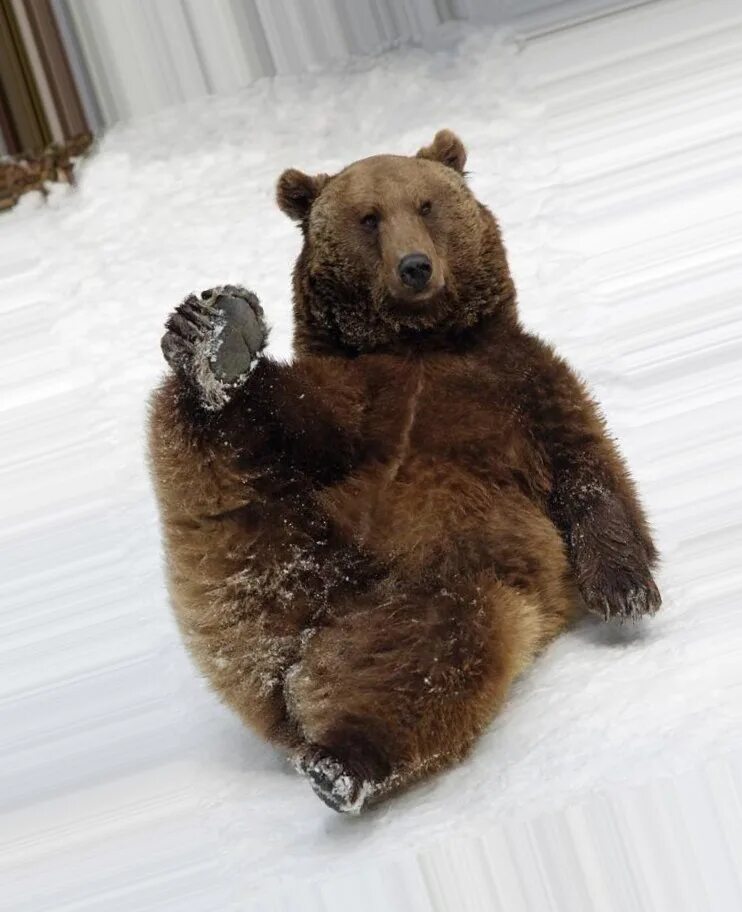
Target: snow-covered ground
(612,153)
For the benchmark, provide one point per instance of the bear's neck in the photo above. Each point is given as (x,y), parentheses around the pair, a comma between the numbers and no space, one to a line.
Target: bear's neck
(490,329)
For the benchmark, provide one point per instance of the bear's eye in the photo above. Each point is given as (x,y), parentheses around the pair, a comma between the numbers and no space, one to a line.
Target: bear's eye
(371,220)
(426,208)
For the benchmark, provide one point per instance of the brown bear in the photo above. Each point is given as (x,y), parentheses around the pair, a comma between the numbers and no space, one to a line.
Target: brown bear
(366,545)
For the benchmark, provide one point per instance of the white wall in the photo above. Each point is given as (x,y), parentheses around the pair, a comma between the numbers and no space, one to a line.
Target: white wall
(143,56)
(138,57)
(547,10)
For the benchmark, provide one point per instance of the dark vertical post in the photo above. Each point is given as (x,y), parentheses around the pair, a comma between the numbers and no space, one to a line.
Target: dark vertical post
(23,105)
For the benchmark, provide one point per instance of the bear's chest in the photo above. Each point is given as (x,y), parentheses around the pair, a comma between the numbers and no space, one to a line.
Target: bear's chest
(450,414)
(445,452)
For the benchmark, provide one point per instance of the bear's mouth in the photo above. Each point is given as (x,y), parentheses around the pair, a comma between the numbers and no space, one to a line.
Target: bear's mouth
(425,309)
(411,301)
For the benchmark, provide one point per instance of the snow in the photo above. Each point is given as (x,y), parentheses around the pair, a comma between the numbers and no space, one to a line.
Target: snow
(612,155)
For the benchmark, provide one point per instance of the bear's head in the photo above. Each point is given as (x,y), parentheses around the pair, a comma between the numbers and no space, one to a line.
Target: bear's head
(396,250)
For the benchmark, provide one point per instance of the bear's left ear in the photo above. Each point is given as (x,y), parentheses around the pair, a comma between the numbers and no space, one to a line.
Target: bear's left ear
(297,191)
(447,149)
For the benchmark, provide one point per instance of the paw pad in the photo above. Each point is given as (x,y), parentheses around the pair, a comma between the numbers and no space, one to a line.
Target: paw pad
(213,341)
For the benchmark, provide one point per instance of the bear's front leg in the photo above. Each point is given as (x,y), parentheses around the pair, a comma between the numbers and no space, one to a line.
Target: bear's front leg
(612,562)
(593,500)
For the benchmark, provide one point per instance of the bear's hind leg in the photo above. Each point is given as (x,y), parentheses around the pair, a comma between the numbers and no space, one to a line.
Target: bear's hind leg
(247,569)
(401,686)
(238,445)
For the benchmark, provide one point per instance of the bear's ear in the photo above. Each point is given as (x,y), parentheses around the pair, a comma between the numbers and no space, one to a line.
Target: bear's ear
(447,149)
(297,191)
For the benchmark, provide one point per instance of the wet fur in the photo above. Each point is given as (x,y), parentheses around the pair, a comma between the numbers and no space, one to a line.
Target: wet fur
(367,545)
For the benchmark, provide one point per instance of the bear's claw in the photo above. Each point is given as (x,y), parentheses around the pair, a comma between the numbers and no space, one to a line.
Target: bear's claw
(623,596)
(214,341)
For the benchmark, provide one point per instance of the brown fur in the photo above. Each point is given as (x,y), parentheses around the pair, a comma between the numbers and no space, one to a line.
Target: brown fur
(365,546)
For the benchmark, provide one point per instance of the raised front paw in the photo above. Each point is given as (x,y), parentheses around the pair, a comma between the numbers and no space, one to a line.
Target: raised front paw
(213,341)
(618,592)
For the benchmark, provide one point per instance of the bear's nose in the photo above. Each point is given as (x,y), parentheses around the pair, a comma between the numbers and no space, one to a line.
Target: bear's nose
(415,270)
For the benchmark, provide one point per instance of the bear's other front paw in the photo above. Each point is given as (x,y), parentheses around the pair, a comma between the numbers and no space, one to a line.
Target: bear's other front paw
(615,592)
(213,341)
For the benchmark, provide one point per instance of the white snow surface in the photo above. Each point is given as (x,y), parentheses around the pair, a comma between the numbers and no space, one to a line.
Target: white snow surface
(612,155)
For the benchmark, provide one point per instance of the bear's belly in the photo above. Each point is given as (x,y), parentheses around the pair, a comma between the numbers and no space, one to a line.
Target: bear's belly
(432,513)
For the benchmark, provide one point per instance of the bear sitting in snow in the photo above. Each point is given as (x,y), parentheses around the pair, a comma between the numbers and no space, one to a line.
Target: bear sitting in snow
(366,545)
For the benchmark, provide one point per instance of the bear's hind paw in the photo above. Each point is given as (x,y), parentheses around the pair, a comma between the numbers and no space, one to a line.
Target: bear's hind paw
(213,342)
(333,782)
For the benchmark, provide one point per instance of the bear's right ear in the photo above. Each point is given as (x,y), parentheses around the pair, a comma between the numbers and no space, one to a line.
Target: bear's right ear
(447,149)
(297,191)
